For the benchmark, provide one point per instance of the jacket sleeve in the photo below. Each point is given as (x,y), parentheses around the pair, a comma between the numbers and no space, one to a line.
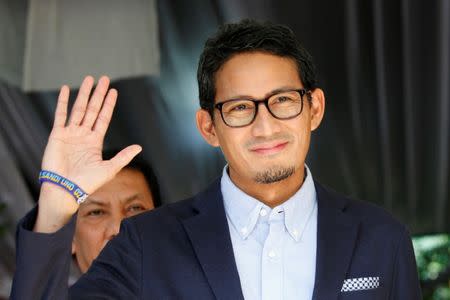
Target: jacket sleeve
(42,261)
(405,284)
(117,271)
(43,265)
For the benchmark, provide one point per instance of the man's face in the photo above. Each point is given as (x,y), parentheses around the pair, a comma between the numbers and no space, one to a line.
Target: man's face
(268,150)
(99,217)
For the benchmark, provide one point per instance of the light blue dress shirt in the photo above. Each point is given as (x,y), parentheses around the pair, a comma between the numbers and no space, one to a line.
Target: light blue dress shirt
(274,249)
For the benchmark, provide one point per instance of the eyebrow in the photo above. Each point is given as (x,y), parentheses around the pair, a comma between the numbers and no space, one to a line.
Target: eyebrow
(91,201)
(131,198)
(269,94)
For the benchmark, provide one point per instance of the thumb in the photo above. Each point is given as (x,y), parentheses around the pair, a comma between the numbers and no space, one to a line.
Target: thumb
(123,158)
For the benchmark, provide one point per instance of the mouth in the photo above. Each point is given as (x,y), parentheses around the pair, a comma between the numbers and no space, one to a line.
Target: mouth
(269,149)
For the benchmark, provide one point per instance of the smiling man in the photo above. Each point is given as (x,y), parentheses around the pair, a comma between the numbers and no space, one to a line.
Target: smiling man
(264,230)
(262,120)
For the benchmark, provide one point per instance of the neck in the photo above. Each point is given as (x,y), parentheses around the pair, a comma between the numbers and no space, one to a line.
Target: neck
(272,194)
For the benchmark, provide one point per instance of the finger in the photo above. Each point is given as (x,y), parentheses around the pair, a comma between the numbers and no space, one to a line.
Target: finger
(61,107)
(104,117)
(95,103)
(123,158)
(79,107)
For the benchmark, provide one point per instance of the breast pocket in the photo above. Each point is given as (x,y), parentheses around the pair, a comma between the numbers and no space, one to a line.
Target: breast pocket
(372,294)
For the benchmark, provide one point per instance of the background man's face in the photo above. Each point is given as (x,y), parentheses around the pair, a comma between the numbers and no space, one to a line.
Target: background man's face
(268,146)
(100,215)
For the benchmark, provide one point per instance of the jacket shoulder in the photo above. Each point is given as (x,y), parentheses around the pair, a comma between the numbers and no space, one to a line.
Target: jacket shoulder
(166,214)
(369,214)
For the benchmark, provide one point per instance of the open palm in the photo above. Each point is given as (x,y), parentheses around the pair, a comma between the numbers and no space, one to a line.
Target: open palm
(74,148)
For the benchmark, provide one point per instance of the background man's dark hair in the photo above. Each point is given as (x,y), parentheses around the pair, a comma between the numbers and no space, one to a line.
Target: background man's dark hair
(139,164)
(249,36)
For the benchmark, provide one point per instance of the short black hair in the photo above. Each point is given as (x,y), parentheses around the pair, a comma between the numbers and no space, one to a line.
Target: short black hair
(249,36)
(141,165)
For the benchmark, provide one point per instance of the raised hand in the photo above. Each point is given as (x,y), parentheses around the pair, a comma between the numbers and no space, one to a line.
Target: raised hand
(74,151)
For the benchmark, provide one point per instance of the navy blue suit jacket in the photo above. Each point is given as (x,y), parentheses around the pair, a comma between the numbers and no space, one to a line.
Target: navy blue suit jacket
(184,251)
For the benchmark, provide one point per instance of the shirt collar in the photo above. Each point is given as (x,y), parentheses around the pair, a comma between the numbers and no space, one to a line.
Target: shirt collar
(243,211)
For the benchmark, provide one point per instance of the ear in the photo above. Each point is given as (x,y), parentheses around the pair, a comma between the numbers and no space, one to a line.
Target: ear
(205,126)
(317,108)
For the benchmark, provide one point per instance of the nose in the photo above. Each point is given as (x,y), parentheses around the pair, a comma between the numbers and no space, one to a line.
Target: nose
(113,226)
(264,124)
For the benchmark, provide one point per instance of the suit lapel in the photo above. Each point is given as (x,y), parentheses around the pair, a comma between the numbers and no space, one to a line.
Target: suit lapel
(336,238)
(210,237)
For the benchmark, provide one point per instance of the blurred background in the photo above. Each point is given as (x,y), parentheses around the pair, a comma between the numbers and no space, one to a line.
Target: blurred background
(384,67)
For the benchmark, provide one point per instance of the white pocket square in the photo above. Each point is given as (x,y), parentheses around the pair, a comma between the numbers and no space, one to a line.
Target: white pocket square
(361,283)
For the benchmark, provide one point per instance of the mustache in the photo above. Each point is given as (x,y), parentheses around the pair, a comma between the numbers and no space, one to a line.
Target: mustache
(285,137)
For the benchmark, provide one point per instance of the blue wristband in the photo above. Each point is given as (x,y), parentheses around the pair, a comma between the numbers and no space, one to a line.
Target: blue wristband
(69,186)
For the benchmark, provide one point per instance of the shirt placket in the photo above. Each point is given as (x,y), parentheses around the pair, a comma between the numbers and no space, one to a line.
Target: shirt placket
(272,260)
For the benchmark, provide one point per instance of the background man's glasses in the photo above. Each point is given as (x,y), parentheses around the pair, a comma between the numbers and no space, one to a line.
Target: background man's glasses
(242,112)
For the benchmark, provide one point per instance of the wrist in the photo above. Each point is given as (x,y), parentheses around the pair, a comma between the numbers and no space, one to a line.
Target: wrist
(56,207)
(66,184)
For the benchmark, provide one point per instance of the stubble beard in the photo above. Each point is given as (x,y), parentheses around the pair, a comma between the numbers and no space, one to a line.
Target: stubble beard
(274,174)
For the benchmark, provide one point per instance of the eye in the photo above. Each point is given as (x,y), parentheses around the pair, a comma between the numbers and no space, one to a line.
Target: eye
(282,99)
(237,106)
(136,208)
(240,107)
(96,212)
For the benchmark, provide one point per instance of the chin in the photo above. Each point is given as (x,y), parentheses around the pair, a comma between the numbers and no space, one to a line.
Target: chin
(273,174)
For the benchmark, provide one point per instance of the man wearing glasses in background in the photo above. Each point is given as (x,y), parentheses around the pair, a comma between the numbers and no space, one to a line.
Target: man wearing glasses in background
(264,230)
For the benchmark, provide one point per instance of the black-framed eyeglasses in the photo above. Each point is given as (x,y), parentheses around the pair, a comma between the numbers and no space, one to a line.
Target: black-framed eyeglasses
(281,105)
